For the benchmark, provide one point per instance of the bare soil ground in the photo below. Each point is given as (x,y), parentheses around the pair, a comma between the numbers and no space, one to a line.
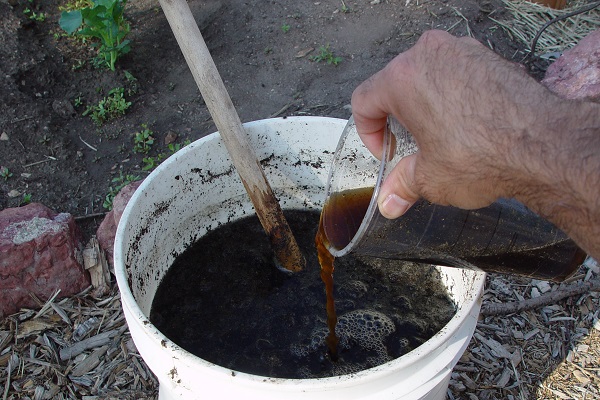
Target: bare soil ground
(48,80)
(57,156)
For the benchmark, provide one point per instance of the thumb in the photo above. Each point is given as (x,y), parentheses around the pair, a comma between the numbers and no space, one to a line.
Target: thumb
(397,193)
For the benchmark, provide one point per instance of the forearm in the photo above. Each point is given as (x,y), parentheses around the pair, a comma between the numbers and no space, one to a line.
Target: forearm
(557,170)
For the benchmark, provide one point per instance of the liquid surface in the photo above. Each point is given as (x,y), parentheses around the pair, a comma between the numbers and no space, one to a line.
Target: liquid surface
(225,301)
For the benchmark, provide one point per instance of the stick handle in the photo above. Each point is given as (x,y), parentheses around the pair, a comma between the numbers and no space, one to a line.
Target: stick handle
(228,123)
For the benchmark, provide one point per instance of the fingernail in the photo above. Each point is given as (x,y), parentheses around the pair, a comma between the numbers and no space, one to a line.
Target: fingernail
(394,206)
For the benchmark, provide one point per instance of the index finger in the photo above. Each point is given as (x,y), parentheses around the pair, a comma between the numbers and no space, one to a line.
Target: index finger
(369,115)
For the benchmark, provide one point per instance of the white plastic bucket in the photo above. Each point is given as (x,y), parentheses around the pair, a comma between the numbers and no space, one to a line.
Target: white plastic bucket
(198,189)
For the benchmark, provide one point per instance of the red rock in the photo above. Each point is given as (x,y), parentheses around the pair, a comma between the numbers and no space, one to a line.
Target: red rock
(576,74)
(108,228)
(106,236)
(40,252)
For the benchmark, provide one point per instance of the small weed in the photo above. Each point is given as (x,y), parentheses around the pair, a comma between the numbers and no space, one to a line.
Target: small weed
(97,63)
(77,101)
(26,198)
(78,65)
(326,55)
(129,76)
(143,140)
(344,8)
(5,173)
(117,183)
(34,16)
(151,162)
(175,147)
(132,83)
(41,17)
(44,139)
(285,28)
(30,12)
(267,50)
(110,107)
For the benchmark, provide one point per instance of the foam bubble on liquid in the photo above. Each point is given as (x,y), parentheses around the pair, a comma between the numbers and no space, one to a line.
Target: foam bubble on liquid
(354,289)
(369,328)
(316,341)
(365,328)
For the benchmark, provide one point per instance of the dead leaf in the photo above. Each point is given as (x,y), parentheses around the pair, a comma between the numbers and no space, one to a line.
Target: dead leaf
(303,53)
(33,326)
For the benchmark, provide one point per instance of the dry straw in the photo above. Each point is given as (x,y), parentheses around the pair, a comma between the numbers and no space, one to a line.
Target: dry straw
(529,18)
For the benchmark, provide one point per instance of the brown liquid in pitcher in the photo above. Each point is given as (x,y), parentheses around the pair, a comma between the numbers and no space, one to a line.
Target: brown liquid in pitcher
(343,213)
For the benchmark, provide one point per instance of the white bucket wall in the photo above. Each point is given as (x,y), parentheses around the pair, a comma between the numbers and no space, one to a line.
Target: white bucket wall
(197,189)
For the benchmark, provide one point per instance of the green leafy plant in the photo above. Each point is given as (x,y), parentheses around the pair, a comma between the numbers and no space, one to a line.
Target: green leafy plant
(104,20)
(118,183)
(5,173)
(143,140)
(326,55)
(110,107)
(285,28)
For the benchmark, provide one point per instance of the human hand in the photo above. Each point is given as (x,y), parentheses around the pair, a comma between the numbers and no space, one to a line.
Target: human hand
(485,130)
(454,96)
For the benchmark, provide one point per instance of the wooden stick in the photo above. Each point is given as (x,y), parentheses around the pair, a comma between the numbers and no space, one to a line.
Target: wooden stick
(573,289)
(228,123)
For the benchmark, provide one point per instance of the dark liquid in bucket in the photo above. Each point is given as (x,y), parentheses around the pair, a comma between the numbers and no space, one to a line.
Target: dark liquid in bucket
(500,238)
(224,300)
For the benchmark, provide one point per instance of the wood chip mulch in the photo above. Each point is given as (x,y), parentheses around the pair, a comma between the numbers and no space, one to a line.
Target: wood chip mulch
(548,350)
(76,348)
